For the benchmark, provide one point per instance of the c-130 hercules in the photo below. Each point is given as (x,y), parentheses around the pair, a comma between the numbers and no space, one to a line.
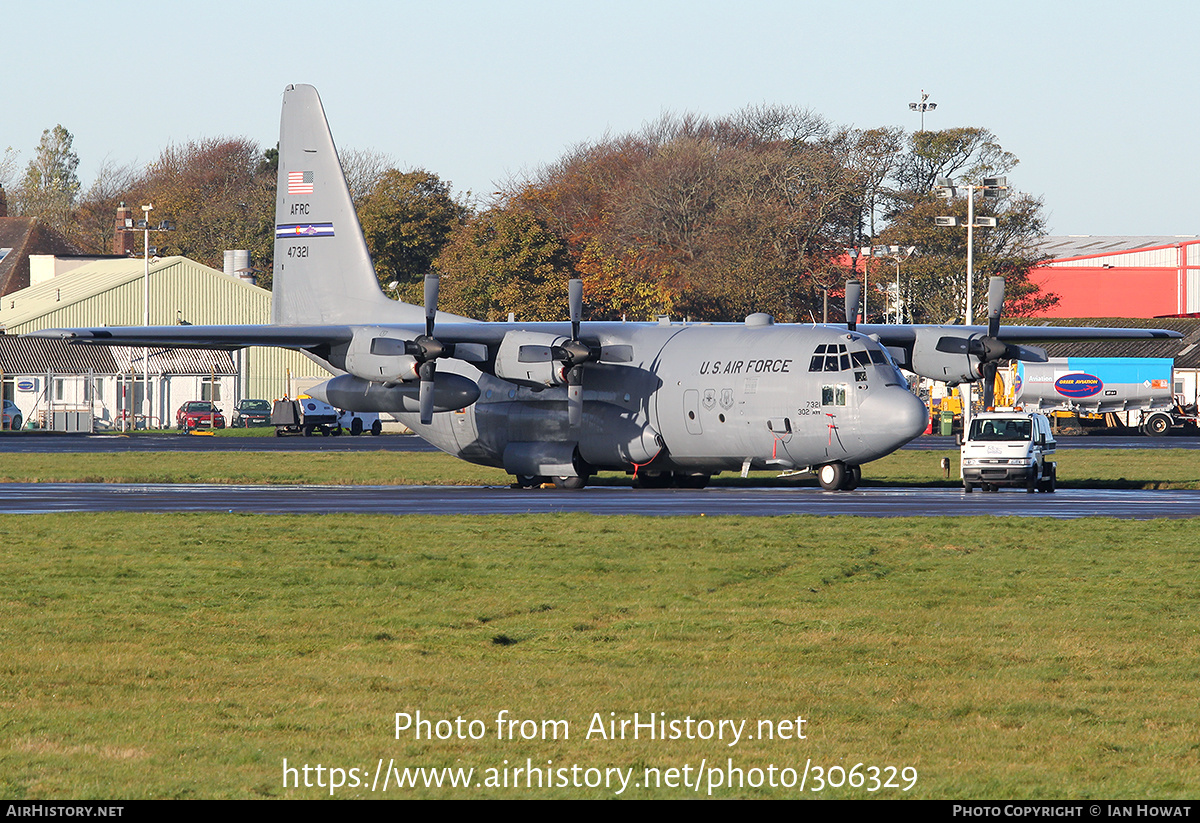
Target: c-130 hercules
(673,403)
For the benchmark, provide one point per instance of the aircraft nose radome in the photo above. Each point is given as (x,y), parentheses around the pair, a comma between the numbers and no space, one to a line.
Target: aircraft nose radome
(895,415)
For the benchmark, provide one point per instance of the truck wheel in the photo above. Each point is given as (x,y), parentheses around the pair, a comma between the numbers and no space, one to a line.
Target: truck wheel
(376,429)
(967,487)
(356,427)
(1157,425)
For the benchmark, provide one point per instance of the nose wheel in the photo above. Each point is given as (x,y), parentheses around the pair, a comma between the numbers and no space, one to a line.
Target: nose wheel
(838,477)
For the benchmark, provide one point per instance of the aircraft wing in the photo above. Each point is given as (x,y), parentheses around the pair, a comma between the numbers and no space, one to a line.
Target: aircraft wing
(895,335)
(204,337)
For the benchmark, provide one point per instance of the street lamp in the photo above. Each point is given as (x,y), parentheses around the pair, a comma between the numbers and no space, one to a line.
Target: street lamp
(991,187)
(144,226)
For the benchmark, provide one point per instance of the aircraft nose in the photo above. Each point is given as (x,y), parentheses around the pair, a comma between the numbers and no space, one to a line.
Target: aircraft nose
(895,417)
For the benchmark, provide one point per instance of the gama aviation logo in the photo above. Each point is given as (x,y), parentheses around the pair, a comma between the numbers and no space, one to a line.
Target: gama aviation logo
(1078,385)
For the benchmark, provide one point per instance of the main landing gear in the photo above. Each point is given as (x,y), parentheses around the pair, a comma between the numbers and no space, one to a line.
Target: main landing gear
(532,481)
(648,479)
(838,477)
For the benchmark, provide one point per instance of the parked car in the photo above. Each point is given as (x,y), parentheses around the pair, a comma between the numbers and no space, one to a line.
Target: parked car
(199,414)
(11,418)
(249,413)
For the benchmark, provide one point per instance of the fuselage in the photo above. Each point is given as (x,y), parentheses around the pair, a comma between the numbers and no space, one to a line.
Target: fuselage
(698,398)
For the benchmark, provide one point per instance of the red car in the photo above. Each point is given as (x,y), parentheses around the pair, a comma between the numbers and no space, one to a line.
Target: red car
(199,414)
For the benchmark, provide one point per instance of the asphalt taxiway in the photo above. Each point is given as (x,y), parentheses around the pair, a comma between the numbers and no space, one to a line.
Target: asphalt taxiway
(868,501)
(30,498)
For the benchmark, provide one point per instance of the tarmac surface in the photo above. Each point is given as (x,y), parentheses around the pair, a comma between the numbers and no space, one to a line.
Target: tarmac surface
(867,501)
(29,498)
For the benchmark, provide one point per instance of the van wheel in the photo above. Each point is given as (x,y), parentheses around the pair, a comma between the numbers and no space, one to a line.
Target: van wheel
(356,427)
(967,487)
(1050,482)
(376,428)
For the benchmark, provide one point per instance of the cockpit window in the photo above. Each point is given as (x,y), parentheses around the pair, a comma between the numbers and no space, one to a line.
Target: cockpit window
(832,357)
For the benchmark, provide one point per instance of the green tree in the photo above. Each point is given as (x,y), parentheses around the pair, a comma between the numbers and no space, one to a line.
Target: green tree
(505,260)
(407,218)
(50,185)
(933,282)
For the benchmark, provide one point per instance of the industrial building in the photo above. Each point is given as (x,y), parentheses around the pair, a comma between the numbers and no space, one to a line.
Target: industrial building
(1133,276)
(68,292)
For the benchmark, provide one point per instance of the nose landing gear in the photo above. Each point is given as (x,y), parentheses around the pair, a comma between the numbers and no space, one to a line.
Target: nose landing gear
(838,476)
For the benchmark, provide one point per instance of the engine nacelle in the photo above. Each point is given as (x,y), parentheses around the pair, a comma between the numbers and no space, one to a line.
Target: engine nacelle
(378,355)
(526,358)
(951,367)
(451,392)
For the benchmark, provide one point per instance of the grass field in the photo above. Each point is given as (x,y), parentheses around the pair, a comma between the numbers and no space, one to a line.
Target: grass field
(1109,468)
(190,655)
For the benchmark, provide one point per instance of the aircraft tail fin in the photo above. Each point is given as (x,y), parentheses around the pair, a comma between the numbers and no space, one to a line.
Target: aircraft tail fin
(323,273)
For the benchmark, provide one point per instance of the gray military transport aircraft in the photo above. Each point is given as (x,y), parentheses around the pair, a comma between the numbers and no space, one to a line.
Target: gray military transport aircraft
(673,403)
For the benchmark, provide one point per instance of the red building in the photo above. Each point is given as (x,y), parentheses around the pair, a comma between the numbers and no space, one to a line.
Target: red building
(1121,276)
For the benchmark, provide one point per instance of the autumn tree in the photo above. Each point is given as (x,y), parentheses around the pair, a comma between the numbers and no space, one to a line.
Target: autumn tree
(710,218)
(92,224)
(219,195)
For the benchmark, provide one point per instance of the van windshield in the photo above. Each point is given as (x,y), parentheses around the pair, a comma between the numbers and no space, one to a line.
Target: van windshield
(1001,429)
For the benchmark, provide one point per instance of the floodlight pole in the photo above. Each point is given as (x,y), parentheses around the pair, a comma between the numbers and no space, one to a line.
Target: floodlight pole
(147,406)
(991,187)
(897,254)
(923,107)
(144,225)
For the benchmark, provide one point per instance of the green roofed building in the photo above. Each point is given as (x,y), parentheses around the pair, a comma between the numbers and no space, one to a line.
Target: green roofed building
(67,292)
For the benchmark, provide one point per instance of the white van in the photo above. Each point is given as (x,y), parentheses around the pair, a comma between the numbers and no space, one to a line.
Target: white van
(1009,449)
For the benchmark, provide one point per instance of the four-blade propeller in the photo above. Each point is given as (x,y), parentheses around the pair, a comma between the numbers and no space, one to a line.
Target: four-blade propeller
(989,348)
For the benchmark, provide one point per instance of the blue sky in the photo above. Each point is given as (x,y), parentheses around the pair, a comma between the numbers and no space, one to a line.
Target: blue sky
(1097,99)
